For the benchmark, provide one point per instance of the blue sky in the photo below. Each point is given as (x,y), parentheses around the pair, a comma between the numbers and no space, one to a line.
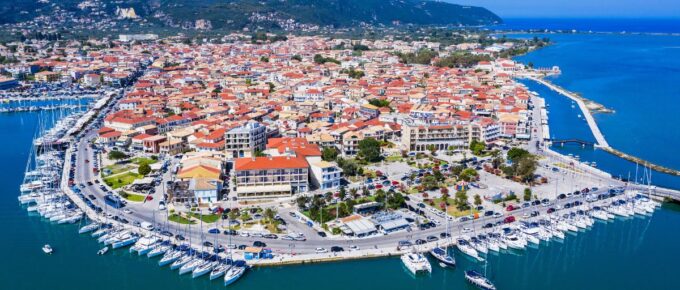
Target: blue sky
(580,8)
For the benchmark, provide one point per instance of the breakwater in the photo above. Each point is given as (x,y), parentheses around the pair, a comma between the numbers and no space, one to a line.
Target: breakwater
(600,139)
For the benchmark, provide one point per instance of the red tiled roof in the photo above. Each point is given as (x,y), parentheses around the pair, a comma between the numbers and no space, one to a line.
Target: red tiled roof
(279,162)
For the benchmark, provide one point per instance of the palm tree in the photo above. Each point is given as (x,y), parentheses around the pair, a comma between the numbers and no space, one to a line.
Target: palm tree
(354,192)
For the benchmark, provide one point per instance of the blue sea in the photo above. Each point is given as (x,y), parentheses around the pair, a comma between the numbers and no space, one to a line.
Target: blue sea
(635,75)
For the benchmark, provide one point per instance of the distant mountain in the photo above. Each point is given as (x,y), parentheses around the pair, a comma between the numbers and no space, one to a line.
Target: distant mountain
(338,13)
(237,14)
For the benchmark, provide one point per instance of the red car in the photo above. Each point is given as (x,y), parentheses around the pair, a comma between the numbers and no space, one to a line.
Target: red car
(510,208)
(509,219)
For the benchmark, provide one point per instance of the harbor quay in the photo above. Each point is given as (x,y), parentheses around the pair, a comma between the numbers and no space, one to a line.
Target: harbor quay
(297,158)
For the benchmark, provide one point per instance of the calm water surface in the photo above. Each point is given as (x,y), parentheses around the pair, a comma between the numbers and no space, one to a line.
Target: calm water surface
(637,76)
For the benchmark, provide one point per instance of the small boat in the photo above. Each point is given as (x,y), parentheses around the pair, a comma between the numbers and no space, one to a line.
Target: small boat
(219,270)
(477,279)
(47,249)
(440,254)
(235,272)
(103,250)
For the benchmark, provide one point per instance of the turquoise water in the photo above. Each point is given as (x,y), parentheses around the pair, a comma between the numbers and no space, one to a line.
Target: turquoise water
(639,253)
(637,76)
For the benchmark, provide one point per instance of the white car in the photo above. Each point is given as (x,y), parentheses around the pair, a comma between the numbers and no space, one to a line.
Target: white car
(353,248)
(467,230)
(127,211)
(321,250)
(244,234)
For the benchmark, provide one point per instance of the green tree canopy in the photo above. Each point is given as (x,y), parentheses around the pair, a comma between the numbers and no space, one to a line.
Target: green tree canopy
(369,149)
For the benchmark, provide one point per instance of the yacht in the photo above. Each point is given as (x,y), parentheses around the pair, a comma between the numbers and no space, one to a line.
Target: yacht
(47,249)
(191,265)
(181,262)
(219,270)
(442,256)
(416,263)
(159,250)
(235,272)
(477,279)
(144,245)
(479,245)
(515,242)
(125,241)
(170,257)
(465,247)
(204,269)
(88,228)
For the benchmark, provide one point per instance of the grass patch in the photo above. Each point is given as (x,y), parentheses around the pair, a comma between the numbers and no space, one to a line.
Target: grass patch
(121,180)
(394,158)
(180,219)
(142,160)
(453,211)
(132,197)
(207,218)
(116,169)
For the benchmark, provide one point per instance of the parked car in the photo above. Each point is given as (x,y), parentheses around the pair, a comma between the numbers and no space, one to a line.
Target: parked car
(509,219)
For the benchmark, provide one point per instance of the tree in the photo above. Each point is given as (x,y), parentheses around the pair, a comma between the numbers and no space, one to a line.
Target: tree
(432,149)
(527,194)
(478,200)
(233,214)
(354,193)
(342,193)
(115,155)
(516,153)
(269,214)
(302,202)
(329,153)
(445,195)
(144,169)
(461,200)
(369,149)
(477,147)
(296,57)
(468,174)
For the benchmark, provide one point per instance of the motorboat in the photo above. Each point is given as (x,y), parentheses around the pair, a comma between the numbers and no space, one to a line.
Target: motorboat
(47,249)
(103,250)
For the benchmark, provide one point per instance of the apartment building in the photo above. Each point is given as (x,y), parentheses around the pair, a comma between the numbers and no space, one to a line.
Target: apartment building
(419,137)
(243,141)
(267,177)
